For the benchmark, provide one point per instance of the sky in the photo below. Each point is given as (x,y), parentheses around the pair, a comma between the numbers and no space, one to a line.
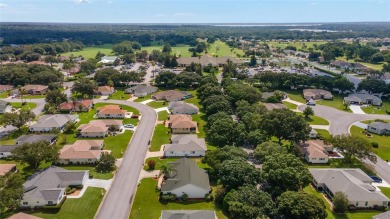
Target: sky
(194,11)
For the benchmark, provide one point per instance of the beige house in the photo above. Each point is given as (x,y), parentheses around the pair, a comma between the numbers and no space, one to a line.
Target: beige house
(36,89)
(171,95)
(82,151)
(316,151)
(105,90)
(6,168)
(110,111)
(98,128)
(182,124)
(316,94)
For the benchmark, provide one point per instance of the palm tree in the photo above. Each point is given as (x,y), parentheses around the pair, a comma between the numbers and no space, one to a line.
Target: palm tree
(166,169)
(22,92)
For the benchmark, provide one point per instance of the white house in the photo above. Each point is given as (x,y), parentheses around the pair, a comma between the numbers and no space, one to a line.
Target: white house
(47,123)
(108,59)
(181,107)
(379,128)
(6,150)
(141,90)
(185,146)
(47,187)
(316,151)
(110,111)
(82,151)
(313,133)
(186,178)
(354,183)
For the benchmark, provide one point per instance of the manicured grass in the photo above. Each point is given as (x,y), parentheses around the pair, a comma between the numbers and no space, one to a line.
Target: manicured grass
(298,45)
(377,67)
(146,204)
(27,106)
(160,137)
(315,120)
(158,104)
(84,207)
(160,162)
(324,133)
(4,94)
(92,171)
(200,118)
(162,115)
(119,95)
(385,191)
(23,168)
(383,150)
(181,50)
(290,105)
(377,109)
(90,52)
(295,95)
(26,97)
(194,99)
(118,144)
(337,103)
(141,99)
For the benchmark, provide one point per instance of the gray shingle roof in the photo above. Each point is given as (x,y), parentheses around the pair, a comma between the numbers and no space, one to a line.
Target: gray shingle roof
(184,172)
(34,138)
(188,214)
(56,120)
(141,89)
(362,97)
(186,142)
(7,148)
(182,106)
(352,182)
(380,125)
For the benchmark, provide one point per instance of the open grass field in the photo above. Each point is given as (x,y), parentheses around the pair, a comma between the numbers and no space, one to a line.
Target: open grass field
(90,52)
(332,215)
(4,94)
(140,99)
(378,109)
(162,115)
(295,95)
(180,50)
(119,95)
(299,45)
(159,138)
(158,104)
(147,196)
(92,171)
(84,207)
(377,67)
(383,151)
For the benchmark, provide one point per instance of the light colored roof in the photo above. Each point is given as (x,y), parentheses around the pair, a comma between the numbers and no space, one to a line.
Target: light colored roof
(82,149)
(315,92)
(5,168)
(109,58)
(22,215)
(34,138)
(380,125)
(105,89)
(181,121)
(100,125)
(36,87)
(384,215)
(184,172)
(141,89)
(352,182)
(362,97)
(56,120)
(182,106)
(186,142)
(110,109)
(271,106)
(314,149)
(188,214)
(170,95)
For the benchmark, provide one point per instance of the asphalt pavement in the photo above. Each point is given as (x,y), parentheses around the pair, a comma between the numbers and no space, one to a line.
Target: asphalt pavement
(118,200)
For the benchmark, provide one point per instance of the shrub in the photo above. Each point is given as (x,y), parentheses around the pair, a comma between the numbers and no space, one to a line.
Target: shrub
(340,202)
(375,144)
(151,164)
(70,190)
(168,197)
(184,197)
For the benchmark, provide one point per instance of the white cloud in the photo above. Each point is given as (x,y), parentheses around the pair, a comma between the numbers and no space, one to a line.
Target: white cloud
(81,1)
(3,5)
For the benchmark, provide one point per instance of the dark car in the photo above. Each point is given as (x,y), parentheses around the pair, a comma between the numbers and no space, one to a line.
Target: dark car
(376,179)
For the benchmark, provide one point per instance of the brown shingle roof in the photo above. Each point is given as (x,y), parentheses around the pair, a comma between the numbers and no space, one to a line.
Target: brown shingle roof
(181,121)
(5,168)
(82,149)
(110,109)
(22,215)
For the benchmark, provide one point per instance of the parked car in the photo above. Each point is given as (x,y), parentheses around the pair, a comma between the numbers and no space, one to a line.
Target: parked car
(128,126)
(376,179)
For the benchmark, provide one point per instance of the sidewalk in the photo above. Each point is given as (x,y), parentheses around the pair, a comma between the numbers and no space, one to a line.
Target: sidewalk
(326,127)
(162,109)
(99,183)
(293,101)
(147,101)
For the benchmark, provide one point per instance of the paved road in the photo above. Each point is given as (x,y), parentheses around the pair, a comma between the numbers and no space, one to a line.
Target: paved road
(149,75)
(68,92)
(118,200)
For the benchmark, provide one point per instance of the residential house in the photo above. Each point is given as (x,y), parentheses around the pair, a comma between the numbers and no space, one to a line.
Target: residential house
(341,64)
(4,88)
(35,138)
(379,128)
(5,107)
(141,90)
(6,150)
(186,178)
(82,151)
(47,123)
(98,128)
(206,60)
(384,215)
(108,59)
(316,94)
(105,90)
(36,89)
(110,111)
(7,168)
(78,106)
(47,187)
(188,214)
(181,124)
(313,133)
(272,106)
(386,77)
(354,183)
(181,107)
(171,95)
(22,215)
(185,146)
(363,98)
(74,70)
(316,151)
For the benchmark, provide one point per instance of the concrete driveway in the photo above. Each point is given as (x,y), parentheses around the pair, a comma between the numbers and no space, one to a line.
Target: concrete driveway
(356,109)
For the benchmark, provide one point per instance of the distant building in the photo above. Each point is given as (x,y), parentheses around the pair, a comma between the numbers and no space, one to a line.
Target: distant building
(108,59)
(47,123)
(206,60)
(272,106)
(141,90)
(181,107)
(5,107)
(7,168)
(363,98)
(36,89)
(105,90)
(379,128)
(316,94)
(171,95)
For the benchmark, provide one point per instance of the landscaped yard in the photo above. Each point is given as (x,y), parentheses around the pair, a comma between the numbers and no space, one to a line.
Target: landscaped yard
(4,94)
(324,133)
(92,171)
(90,52)
(119,95)
(290,105)
(160,162)
(27,106)
(383,150)
(315,120)
(140,99)
(147,206)
(158,104)
(84,207)
(337,103)
(26,97)
(118,144)
(349,215)
(160,137)
(295,95)
(162,115)
(377,109)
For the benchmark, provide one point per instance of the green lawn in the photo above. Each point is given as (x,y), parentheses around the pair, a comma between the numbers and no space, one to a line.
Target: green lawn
(26,97)
(84,207)
(323,133)
(349,215)
(298,45)
(290,105)
(23,168)
(158,104)
(160,162)
(163,115)
(295,95)
(378,109)
(140,99)
(200,118)
(377,67)
(118,144)
(4,94)
(92,171)
(90,52)
(160,137)
(337,103)
(119,95)
(28,105)
(383,150)
(315,120)
(147,206)
(385,191)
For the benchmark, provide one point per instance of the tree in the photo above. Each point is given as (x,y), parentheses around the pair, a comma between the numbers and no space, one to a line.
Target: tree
(248,202)
(17,119)
(372,86)
(55,97)
(285,125)
(308,111)
(167,48)
(253,61)
(35,153)
(11,192)
(301,205)
(353,147)
(166,169)
(268,148)
(84,86)
(151,164)
(340,202)
(88,67)
(221,132)
(236,173)
(239,91)
(106,163)
(284,172)
(377,57)
(217,103)
(215,157)
(166,78)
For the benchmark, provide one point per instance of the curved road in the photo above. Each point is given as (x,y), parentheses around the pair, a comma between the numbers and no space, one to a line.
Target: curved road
(117,202)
